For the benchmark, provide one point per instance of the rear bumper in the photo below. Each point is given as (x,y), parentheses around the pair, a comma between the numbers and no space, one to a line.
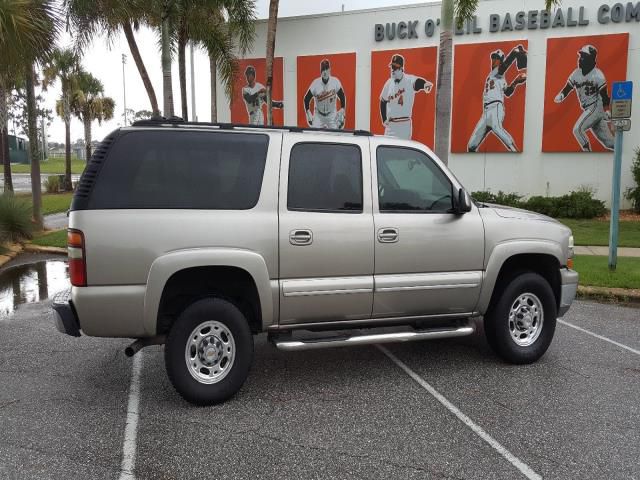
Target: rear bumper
(568,289)
(64,314)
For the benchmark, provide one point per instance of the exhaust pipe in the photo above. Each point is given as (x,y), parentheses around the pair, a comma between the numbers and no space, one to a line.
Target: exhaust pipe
(140,343)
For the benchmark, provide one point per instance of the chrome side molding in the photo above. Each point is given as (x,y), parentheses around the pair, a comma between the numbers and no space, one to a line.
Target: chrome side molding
(352,340)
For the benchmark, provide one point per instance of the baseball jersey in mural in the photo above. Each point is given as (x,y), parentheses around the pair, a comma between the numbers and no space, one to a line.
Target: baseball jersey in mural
(325,94)
(400,96)
(588,86)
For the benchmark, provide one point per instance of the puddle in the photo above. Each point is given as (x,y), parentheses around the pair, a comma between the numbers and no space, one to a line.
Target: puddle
(31,283)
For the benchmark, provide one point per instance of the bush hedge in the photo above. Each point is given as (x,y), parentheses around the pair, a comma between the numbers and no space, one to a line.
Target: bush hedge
(15,219)
(633,193)
(580,204)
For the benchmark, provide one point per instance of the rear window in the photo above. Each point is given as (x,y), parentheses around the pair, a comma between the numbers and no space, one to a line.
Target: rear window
(182,169)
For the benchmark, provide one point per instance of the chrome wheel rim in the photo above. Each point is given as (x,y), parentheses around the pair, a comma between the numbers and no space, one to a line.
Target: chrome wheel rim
(210,352)
(525,319)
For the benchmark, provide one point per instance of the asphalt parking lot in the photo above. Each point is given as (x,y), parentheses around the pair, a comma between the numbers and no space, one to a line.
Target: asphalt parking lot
(439,409)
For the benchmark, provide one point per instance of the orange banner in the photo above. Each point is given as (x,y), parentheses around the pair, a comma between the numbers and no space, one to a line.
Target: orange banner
(580,71)
(248,104)
(489,88)
(324,82)
(403,93)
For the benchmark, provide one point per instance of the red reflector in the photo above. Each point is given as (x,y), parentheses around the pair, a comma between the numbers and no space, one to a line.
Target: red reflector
(77,263)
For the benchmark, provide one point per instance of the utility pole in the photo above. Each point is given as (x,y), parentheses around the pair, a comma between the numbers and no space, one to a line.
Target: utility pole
(124,89)
(193,86)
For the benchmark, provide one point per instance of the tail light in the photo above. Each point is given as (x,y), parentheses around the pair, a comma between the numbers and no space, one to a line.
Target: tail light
(571,253)
(77,263)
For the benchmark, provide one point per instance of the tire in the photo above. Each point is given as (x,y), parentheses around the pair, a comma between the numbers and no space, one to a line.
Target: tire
(526,335)
(214,335)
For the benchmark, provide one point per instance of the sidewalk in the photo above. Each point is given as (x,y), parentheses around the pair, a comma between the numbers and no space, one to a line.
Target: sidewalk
(56,221)
(604,251)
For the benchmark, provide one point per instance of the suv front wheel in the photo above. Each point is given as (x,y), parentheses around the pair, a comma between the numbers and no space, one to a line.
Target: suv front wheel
(209,351)
(521,322)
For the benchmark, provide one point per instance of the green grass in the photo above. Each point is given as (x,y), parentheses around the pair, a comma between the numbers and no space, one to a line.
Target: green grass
(51,202)
(56,238)
(51,166)
(596,232)
(594,271)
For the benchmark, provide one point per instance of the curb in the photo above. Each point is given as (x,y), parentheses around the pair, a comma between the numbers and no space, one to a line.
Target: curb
(13,251)
(31,248)
(610,295)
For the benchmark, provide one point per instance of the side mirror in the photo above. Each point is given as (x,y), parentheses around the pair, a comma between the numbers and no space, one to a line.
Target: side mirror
(462,203)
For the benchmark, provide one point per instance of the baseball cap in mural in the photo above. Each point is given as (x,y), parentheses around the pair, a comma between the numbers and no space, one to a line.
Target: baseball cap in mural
(325,65)
(588,50)
(250,70)
(397,61)
(497,55)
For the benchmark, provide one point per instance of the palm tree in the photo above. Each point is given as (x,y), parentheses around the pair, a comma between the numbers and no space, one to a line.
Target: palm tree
(4,131)
(91,18)
(63,64)
(461,10)
(271,47)
(89,103)
(28,30)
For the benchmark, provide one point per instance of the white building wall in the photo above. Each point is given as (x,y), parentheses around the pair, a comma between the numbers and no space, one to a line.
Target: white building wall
(530,172)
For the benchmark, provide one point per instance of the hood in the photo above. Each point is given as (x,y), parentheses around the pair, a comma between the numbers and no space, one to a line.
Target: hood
(511,212)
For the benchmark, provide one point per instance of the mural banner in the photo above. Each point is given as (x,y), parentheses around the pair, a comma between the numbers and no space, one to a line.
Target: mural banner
(327,91)
(580,71)
(403,93)
(249,100)
(489,88)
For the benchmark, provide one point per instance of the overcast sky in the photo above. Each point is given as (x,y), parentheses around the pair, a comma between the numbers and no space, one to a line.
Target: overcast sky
(105,62)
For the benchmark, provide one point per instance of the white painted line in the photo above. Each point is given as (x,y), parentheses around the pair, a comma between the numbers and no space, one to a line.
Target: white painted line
(516,462)
(131,428)
(632,350)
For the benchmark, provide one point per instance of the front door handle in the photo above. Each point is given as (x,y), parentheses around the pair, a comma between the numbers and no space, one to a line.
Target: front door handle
(300,237)
(388,235)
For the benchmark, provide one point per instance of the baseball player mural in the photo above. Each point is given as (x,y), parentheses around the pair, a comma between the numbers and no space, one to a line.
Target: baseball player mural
(254,95)
(590,86)
(397,99)
(576,97)
(325,91)
(496,90)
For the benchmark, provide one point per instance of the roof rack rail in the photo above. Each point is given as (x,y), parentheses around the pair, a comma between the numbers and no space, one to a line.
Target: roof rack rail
(159,121)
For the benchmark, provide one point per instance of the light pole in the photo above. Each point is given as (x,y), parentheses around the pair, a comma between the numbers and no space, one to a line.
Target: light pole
(124,89)
(193,87)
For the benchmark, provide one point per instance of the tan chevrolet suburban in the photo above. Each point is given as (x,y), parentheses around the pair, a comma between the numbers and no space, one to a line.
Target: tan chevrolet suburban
(198,236)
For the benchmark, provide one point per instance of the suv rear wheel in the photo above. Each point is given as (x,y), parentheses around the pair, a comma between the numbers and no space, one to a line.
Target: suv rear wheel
(520,324)
(209,351)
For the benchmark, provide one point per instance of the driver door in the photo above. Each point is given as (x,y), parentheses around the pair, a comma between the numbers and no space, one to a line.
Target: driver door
(429,260)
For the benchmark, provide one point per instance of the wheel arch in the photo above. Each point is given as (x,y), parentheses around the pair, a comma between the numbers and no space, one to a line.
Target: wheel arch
(245,267)
(542,257)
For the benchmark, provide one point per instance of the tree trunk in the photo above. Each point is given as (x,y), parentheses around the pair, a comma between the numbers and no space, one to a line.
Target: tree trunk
(443,93)
(271,47)
(214,88)
(135,53)
(67,140)
(167,87)
(87,135)
(32,129)
(182,70)
(4,140)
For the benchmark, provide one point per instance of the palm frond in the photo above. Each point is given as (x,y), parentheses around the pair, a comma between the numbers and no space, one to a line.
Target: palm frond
(464,10)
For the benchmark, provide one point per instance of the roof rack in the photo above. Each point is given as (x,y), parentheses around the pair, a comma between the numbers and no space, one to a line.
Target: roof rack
(175,121)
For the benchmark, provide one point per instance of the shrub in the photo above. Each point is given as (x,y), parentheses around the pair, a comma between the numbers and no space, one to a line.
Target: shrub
(52,184)
(501,198)
(633,193)
(15,219)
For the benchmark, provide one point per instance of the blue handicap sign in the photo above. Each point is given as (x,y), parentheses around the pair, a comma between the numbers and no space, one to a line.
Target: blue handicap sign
(622,90)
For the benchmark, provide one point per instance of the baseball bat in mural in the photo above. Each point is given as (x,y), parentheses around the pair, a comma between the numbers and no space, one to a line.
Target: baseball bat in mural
(403,93)
(328,86)
(489,97)
(248,105)
(577,99)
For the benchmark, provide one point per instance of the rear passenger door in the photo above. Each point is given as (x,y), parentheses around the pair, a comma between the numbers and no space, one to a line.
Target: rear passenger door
(325,229)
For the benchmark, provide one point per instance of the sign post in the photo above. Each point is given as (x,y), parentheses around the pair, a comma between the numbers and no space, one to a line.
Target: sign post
(620,113)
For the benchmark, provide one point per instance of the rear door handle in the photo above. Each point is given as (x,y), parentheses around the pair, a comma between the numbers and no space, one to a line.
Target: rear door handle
(300,237)
(388,235)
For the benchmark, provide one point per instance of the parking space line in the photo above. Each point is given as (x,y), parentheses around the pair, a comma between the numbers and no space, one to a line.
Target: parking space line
(131,428)
(632,350)
(516,462)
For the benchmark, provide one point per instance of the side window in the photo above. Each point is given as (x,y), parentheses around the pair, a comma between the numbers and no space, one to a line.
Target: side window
(409,181)
(325,177)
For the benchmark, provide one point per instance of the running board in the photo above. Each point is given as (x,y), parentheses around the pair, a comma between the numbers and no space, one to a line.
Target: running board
(346,341)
